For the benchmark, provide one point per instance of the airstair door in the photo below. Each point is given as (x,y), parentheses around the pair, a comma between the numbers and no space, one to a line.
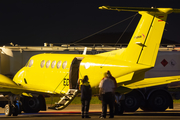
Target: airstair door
(74,72)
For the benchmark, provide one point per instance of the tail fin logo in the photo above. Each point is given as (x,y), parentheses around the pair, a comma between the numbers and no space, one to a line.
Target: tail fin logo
(140,36)
(143,36)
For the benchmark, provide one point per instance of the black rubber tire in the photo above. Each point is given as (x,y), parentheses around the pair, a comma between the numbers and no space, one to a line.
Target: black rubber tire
(31,104)
(158,101)
(15,111)
(8,110)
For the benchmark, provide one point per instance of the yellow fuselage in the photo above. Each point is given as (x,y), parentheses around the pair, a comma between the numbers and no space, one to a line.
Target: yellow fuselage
(51,79)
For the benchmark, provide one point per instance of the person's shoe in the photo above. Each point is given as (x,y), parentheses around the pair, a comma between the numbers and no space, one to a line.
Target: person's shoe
(82,116)
(111,117)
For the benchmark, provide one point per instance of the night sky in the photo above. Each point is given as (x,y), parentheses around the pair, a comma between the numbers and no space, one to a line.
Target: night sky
(34,22)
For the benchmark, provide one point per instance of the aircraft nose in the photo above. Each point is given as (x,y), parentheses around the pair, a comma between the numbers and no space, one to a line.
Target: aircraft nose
(19,76)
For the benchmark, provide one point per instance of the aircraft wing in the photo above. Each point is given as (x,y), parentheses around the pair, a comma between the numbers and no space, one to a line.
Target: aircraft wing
(172,81)
(9,86)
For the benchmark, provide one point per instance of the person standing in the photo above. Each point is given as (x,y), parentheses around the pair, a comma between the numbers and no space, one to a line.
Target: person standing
(86,93)
(112,78)
(106,91)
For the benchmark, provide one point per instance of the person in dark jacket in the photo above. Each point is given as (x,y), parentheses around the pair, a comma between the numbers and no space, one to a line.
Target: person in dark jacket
(86,93)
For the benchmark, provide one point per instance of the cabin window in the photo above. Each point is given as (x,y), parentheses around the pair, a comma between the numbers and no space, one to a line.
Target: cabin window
(31,63)
(53,64)
(42,63)
(48,64)
(59,64)
(64,64)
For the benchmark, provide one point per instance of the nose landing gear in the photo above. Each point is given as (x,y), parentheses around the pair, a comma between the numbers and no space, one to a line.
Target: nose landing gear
(12,109)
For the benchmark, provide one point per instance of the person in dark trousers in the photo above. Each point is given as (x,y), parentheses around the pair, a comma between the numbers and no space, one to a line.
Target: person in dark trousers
(86,93)
(106,91)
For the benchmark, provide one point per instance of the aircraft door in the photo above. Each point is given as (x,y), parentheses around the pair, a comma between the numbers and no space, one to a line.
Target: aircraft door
(74,72)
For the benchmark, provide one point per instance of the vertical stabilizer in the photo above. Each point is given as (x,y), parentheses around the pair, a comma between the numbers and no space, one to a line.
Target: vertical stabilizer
(144,44)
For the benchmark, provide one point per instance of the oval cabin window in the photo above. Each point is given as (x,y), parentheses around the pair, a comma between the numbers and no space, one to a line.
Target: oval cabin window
(64,64)
(53,64)
(48,64)
(58,64)
(42,63)
(31,63)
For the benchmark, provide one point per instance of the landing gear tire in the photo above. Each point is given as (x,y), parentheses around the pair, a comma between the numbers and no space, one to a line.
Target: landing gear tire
(8,110)
(158,101)
(31,104)
(15,110)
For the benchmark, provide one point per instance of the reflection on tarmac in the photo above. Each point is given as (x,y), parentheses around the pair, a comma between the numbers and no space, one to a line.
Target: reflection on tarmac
(72,112)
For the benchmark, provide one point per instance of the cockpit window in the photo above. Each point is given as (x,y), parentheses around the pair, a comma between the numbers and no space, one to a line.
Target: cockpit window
(64,64)
(27,64)
(42,63)
(59,64)
(53,64)
(31,63)
(48,64)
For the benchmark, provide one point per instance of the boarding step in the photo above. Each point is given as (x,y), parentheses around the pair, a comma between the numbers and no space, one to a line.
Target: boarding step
(65,100)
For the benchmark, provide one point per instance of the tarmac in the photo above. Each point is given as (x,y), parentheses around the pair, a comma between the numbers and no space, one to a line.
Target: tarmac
(77,108)
(72,108)
(73,112)
(94,108)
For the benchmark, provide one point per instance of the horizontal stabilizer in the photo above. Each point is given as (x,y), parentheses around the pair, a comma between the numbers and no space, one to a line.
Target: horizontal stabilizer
(137,9)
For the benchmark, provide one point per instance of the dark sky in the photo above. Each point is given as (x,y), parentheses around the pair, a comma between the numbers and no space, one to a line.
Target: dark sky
(33,22)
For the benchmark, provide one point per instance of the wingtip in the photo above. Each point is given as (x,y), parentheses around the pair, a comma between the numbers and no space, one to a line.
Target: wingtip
(103,7)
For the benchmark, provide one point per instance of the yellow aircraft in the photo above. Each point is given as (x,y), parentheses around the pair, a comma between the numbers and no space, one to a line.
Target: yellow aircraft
(57,74)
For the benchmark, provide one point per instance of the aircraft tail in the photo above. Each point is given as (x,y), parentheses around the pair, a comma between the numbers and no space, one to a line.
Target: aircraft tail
(144,44)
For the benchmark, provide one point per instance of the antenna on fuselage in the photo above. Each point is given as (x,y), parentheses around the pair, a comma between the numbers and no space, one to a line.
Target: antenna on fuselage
(85,50)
